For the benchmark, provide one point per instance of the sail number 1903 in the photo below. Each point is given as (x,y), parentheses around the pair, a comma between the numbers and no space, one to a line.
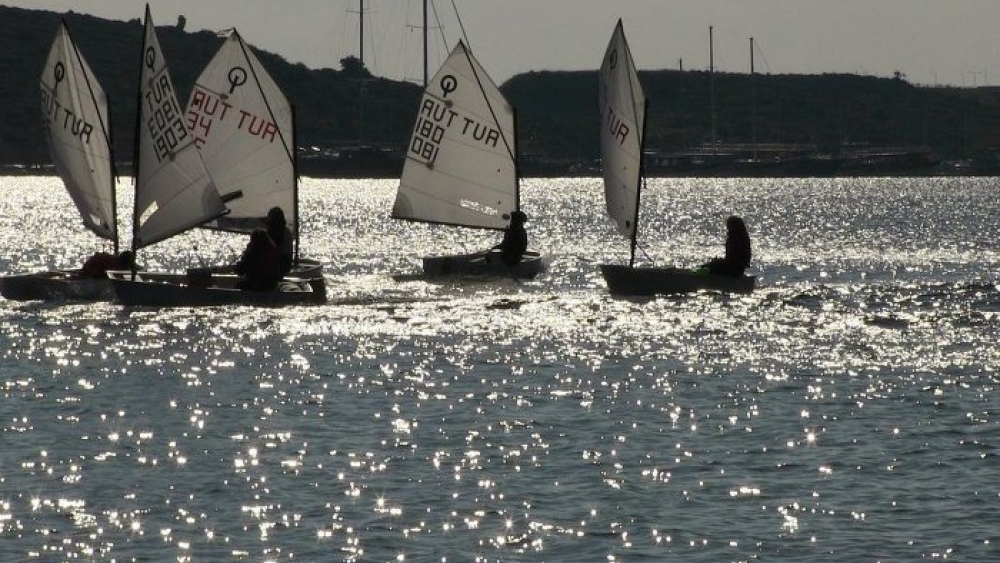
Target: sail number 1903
(165,121)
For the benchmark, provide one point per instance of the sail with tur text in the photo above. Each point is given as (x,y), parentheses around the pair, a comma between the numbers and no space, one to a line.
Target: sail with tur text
(173,190)
(76,118)
(623,107)
(460,165)
(242,124)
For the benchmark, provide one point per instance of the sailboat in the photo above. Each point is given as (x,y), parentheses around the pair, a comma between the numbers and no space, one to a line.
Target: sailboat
(174,192)
(461,165)
(244,128)
(76,116)
(624,107)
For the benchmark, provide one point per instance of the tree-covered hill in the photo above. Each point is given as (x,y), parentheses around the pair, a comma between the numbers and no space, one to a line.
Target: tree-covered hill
(557,111)
(326,100)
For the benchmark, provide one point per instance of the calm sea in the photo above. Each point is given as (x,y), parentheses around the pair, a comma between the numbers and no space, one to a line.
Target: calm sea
(846,411)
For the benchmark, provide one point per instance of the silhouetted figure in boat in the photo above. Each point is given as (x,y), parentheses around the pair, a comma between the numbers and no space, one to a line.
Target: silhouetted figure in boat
(97,266)
(281,235)
(738,253)
(515,240)
(260,264)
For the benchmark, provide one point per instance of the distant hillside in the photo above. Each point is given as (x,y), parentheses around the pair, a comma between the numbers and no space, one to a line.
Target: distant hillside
(557,111)
(326,100)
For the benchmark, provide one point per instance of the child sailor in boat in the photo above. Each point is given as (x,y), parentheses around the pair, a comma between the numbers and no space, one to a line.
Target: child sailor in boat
(738,253)
(515,240)
(260,264)
(97,266)
(281,235)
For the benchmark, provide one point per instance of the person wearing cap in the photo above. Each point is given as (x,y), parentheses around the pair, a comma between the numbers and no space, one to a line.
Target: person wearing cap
(281,235)
(515,240)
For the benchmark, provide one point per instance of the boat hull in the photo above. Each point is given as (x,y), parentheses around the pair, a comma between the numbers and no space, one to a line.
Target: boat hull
(487,264)
(305,268)
(201,289)
(624,280)
(55,285)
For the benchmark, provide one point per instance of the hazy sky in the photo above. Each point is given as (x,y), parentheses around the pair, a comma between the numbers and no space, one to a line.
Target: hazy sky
(930,41)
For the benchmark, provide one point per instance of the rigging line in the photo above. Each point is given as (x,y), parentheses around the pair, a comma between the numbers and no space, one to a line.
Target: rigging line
(756,48)
(643,251)
(340,44)
(397,67)
(437,20)
(461,26)
(372,51)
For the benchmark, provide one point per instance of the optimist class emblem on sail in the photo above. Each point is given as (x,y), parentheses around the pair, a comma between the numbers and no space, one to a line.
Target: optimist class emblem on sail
(438,119)
(53,112)
(207,108)
(165,122)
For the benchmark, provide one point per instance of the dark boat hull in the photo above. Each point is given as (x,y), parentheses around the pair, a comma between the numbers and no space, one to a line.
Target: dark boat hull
(55,285)
(206,289)
(304,268)
(487,264)
(624,280)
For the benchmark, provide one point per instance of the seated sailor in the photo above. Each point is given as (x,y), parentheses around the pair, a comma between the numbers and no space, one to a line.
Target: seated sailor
(738,253)
(515,240)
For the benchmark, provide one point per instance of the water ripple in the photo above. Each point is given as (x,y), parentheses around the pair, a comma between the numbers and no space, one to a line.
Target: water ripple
(842,412)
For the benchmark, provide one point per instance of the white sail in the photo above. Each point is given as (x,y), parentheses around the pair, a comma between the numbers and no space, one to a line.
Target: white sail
(460,165)
(242,124)
(623,107)
(173,190)
(76,119)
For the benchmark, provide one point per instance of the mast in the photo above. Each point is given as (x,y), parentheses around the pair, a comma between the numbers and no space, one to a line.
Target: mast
(135,145)
(295,184)
(425,43)
(114,180)
(361,81)
(753,103)
(517,169)
(642,182)
(711,81)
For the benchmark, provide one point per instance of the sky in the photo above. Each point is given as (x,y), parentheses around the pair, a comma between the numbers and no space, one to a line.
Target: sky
(931,42)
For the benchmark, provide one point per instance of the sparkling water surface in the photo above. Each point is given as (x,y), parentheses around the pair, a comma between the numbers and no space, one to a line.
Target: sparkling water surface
(844,411)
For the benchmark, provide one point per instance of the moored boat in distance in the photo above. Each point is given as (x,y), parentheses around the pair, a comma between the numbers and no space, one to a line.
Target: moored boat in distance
(624,107)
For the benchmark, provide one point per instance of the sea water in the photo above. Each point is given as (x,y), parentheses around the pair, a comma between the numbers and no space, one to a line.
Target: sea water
(845,411)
